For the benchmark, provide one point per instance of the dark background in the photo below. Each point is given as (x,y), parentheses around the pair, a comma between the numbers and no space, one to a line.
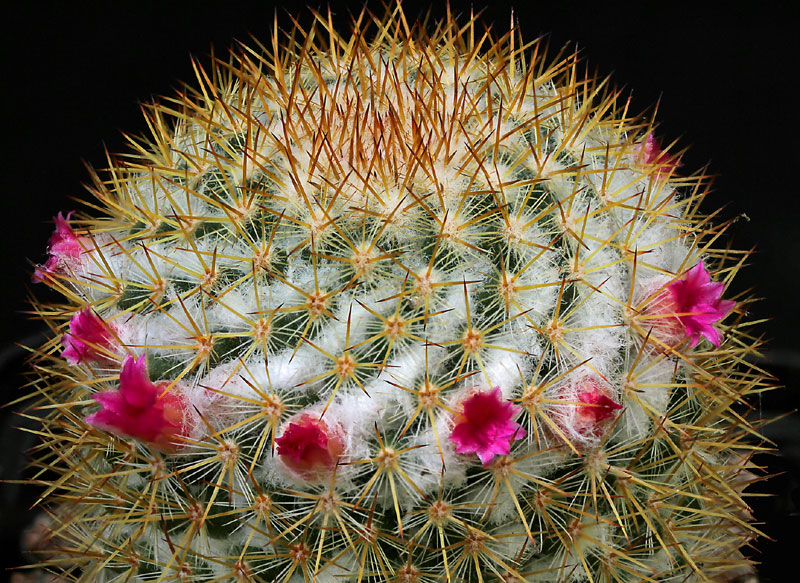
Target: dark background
(74,74)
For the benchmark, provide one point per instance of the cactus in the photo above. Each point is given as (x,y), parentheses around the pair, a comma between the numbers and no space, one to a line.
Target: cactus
(407,305)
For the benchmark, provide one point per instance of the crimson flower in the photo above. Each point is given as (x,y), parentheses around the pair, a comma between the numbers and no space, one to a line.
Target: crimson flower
(89,339)
(595,406)
(309,447)
(588,411)
(697,303)
(650,153)
(485,426)
(141,409)
(64,246)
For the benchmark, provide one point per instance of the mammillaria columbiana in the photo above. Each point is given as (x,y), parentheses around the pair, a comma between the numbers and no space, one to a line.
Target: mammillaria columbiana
(408,305)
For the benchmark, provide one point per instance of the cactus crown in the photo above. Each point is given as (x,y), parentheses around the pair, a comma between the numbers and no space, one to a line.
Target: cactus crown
(403,305)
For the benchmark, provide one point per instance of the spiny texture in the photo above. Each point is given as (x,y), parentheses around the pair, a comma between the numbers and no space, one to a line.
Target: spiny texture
(414,304)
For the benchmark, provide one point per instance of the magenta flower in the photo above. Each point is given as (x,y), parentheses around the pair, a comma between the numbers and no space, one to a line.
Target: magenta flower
(696,302)
(485,426)
(595,406)
(650,153)
(64,246)
(309,447)
(89,339)
(589,411)
(141,409)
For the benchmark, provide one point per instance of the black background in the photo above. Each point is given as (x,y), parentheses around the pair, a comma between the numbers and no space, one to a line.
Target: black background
(74,74)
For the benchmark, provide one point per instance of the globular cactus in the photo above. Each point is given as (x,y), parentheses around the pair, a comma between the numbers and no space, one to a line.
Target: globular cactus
(407,305)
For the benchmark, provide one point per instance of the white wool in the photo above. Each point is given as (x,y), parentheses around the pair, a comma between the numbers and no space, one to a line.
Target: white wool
(593,226)
(183,323)
(455,301)
(234,312)
(147,195)
(131,331)
(383,404)
(542,102)
(645,397)
(559,184)
(494,490)
(446,178)
(146,267)
(436,463)
(355,412)
(279,295)
(648,288)
(567,415)
(566,564)
(597,334)
(202,263)
(236,381)
(287,369)
(510,541)
(601,270)
(346,329)
(535,291)
(506,369)
(308,278)
(334,571)
(516,335)
(659,247)
(103,260)
(402,217)
(620,186)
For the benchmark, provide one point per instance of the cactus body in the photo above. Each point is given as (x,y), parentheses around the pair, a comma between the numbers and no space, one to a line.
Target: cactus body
(395,307)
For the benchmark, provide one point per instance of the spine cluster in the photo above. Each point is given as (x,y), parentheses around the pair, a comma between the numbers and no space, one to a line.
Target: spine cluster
(396,306)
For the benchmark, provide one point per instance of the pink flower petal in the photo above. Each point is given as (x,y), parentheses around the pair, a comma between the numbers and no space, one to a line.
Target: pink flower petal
(650,153)
(88,339)
(485,426)
(309,447)
(595,405)
(64,242)
(64,247)
(697,304)
(141,409)
(112,402)
(688,308)
(587,412)
(135,385)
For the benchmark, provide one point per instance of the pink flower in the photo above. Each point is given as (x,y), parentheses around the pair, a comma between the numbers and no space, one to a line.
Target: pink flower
(485,426)
(589,411)
(89,339)
(64,246)
(595,406)
(650,153)
(687,307)
(309,447)
(697,304)
(141,409)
